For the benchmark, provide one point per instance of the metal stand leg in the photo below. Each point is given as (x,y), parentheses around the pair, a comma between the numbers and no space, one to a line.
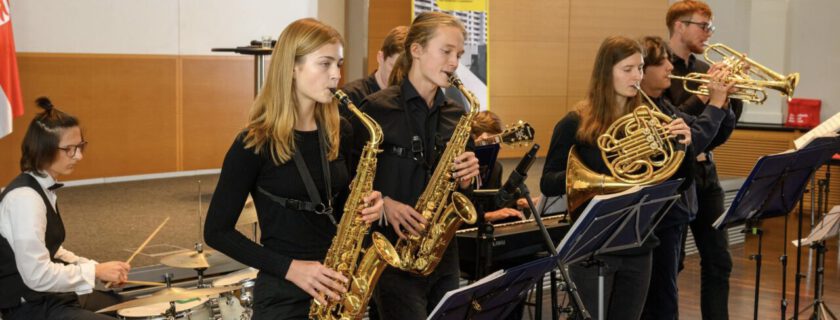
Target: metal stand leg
(259,71)
(538,299)
(601,291)
(757,257)
(554,309)
(820,309)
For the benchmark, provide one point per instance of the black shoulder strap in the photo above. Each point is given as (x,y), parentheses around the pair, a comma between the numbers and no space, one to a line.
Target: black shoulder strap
(326,208)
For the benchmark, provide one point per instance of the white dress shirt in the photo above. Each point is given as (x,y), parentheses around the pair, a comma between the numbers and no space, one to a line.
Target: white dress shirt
(23,222)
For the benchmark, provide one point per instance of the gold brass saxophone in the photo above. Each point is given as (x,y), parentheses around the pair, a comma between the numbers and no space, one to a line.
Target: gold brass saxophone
(637,150)
(343,255)
(443,208)
(749,77)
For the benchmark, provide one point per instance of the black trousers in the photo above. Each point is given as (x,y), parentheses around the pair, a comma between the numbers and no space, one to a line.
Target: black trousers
(402,295)
(626,280)
(65,306)
(715,260)
(278,298)
(662,298)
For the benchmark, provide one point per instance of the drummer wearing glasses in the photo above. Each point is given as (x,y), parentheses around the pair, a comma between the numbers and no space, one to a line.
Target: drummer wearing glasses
(39,278)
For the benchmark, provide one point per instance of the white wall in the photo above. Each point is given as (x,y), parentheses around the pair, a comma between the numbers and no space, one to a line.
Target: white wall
(813,51)
(190,27)
(786,36)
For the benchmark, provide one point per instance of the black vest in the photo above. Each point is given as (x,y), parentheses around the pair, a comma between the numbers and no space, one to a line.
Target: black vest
(11,283)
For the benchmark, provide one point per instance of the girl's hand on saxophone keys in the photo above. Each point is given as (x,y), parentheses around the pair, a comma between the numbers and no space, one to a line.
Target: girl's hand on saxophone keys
(404,218)
(317,280)
(465,169)
(372,208)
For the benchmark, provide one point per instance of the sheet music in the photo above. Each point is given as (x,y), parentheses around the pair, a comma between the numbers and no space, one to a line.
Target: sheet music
(481,281)
(827,228)
(828,127)
(595,200)
(719,220)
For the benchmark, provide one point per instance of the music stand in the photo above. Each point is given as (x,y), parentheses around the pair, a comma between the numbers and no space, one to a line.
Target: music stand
(615,222)
(772,189)
(827,228)
(494,296)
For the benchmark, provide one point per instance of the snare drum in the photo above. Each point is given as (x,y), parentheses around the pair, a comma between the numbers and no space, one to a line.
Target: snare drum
(235,304)
(193,310)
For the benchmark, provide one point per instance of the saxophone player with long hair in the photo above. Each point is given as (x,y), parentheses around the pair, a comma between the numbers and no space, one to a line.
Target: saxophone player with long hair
(418,121)
(612,94)
(292,158)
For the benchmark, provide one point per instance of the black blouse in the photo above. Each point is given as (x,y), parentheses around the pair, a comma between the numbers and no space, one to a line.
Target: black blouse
(553,181)
(415,136)
(286,234)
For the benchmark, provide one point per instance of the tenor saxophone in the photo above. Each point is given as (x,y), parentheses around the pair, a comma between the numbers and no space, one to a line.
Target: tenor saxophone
(443,208)
(343,254)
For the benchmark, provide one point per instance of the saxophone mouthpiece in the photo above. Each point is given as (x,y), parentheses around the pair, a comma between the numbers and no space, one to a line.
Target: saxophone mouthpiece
(333,90)
(453,78)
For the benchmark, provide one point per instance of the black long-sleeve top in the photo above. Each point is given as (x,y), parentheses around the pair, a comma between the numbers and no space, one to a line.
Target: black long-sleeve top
(553,180)
(691,104)
(402,174)
(704,129)
(286,234)
(357,91)
(704,125)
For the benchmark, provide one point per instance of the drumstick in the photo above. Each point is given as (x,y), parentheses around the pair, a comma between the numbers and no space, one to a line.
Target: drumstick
(147,241)
(145,283)
(109,284)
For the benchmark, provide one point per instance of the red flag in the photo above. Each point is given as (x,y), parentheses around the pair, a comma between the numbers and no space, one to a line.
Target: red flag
(11,100)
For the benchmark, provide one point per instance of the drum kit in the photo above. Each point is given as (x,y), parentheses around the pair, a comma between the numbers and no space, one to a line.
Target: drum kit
(229,297)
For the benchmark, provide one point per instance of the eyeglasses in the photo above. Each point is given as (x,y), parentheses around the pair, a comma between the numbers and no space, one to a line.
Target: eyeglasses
(706,26)
(71,149)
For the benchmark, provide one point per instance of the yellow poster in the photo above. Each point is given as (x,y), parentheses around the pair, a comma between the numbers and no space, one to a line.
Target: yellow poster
(463,5)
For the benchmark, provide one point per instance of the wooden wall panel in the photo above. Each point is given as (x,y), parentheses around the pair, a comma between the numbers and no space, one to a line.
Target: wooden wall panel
(529,54)
(538,21)
(125,104)
(737,156)
(141,113)
(218,93)
(542,114)
(384,15)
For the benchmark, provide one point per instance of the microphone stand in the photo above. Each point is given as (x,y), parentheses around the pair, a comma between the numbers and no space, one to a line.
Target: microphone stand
(570,287)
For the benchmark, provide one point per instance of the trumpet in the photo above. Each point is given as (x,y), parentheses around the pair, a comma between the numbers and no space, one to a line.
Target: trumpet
(749,77)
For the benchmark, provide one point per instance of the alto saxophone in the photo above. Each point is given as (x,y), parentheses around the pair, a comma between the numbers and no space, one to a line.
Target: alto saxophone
(443,208)
(346,247)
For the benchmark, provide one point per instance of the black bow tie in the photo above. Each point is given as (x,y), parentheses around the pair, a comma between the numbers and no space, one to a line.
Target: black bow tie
(55,186)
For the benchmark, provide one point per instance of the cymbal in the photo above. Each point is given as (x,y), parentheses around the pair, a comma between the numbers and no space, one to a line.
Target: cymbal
(249,213)
(168,295)
(193,260)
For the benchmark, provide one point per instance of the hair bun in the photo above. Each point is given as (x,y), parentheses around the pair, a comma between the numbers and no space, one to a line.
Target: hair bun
(44,103)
